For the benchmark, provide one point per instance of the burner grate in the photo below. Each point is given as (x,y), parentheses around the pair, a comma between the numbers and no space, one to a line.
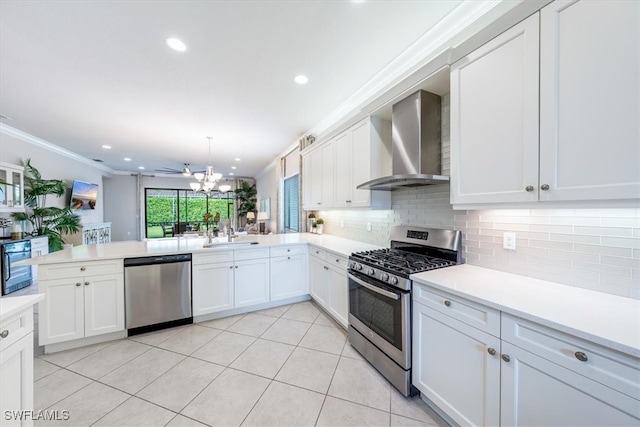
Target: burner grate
(402,262)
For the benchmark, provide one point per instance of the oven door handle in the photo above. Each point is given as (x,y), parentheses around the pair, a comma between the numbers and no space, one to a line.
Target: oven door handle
(374,288)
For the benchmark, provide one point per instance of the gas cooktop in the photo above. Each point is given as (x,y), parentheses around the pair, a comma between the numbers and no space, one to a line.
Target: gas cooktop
(400,262)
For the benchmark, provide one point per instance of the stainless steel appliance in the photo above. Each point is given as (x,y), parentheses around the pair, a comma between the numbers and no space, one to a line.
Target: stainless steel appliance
(380,296)
(415,144)
(157,292)
(15,277)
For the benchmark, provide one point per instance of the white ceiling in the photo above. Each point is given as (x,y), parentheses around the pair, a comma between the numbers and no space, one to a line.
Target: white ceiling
(81,74)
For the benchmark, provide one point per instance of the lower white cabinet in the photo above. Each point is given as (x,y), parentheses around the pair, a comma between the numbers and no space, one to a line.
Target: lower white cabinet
(319,281)
(212,287)
(39,246)
(251,278)
(16,380)
(328,284)
(79,303)
(288,269)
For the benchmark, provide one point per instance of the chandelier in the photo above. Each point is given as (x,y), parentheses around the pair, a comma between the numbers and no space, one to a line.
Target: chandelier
(206,181)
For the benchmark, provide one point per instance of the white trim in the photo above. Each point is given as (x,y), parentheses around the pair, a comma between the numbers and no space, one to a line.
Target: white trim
(24,136)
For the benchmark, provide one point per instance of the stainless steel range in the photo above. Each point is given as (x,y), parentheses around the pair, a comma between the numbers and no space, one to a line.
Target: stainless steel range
(380,296)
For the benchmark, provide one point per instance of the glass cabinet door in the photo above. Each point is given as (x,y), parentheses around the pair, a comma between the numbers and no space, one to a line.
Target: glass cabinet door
(16,181)
(3,188)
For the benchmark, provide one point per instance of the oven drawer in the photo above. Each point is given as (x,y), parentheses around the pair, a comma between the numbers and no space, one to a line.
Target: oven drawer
(615,370)
(318,253)
(339,262)
(288,250)
(473,314)
(15,327)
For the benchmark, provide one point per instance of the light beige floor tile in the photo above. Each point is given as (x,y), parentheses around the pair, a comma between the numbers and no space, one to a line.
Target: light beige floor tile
(285,405)
(356,381)
(286,331)
(275,311)
(252,324)
(41,368)
(181,383)
(303,311)
(410,407)
(324,338)
(136,412)
(136,374)
(66,358)
(181,421)
(189,339)
(222,323)
(325,320)
(88,405)
(224,348)
(228,399)
(57,386)
(398,421)
(349,351)
(336,412)
(100,363)
(309,369)
(156,337)
(264,358)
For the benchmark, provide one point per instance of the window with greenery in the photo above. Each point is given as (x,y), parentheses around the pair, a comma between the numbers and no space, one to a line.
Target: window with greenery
(169,212)
(292,204)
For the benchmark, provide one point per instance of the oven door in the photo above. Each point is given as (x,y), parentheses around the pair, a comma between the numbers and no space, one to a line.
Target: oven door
(381,314)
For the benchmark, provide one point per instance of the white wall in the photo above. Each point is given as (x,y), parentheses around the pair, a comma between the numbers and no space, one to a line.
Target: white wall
(120,206)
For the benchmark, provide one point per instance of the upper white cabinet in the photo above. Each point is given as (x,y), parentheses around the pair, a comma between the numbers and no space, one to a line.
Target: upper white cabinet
(332,171)
(582,142)
(12,192)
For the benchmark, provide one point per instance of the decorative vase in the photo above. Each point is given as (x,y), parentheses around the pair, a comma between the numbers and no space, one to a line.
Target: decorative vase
(319,228)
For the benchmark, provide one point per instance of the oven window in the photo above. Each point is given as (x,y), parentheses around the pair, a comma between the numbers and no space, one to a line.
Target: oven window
(383,315)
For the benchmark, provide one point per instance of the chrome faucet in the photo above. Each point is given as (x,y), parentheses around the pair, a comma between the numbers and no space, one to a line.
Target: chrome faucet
(229,234)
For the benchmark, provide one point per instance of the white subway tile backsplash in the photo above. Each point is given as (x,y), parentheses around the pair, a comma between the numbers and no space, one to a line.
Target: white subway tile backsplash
(621,242)
(604,231)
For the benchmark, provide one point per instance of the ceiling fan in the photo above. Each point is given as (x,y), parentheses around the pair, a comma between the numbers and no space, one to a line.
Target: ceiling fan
(186,171)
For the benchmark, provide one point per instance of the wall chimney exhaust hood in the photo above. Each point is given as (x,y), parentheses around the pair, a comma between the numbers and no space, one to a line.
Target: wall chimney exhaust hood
(415,142)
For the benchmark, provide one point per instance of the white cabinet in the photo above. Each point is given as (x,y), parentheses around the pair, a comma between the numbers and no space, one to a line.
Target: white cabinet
(288,267)
(318,178)
(590,100)
(328,284)
(580,59)
(12,191)
(456,365)
(212,287)
(82,300)
(251,279)
(39,247)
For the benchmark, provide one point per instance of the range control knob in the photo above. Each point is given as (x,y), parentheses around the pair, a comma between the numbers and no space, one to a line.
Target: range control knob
(358,266)
(393,280)
(384,277)
(371,272)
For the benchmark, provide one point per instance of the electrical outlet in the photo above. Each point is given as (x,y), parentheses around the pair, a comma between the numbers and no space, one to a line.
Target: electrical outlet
(368,226)
(509,241)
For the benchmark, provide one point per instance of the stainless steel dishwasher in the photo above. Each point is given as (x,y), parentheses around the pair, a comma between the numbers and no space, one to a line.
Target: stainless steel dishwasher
(157,292)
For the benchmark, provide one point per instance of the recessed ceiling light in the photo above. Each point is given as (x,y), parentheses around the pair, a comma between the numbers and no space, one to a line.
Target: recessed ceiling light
(141,167)
(231,173)
(176,44)
(233,167)
(301,80)
(237,159)
(106,147)
(127,159)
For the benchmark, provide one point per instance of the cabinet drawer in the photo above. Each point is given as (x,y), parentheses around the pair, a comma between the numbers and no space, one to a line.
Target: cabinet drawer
(16,327)
(212,257)
(318,252)
(337,261)
(39,243)
(74,269)
(242,254)
(288,250)
(477,315)
(618,371)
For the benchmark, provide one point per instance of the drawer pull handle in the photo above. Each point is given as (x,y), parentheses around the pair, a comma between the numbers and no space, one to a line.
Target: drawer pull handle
(581,356)
(491,351)
(4,333)
(506,358)
(83,268)
(447,303)
(86,283)
(529,188)
(78,284)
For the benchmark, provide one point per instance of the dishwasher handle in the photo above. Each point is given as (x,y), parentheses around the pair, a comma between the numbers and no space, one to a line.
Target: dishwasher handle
(160,259)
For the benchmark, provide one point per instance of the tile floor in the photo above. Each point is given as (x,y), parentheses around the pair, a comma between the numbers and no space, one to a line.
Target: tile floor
(285,366)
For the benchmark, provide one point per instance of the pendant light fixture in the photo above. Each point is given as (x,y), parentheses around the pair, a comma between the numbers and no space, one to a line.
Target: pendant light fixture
(206,181)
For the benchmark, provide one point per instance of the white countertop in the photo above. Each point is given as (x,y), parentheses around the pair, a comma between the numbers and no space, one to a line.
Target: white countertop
(11,305)
(608,320)
(177,245)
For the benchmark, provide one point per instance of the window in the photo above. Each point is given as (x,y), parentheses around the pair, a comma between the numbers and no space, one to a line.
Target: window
(292,204)
(169,212)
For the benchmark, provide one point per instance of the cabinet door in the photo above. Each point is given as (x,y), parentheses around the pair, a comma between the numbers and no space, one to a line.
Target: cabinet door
(452,367)
(343,167)
(590,100)
(62,311)
(319,281)
(307,180)
(103,304)
(288,277)
(16,380)
(326,197)
(494,119)
(536,392)
(361,141)
(339,296)
(315,159)
(212,288)
(251,282)
(11,193)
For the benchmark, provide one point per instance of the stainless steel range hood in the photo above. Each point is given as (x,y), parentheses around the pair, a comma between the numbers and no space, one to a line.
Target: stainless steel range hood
(415,144)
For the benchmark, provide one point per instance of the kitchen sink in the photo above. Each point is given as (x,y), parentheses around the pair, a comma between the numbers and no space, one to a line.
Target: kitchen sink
(224,244)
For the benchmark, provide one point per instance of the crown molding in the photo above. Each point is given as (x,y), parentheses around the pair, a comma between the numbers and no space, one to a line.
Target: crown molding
(39,142)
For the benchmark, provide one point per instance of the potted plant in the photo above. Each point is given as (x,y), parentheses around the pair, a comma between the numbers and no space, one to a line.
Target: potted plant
(319,225)
(246,198)
(311,222)
(46,220)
